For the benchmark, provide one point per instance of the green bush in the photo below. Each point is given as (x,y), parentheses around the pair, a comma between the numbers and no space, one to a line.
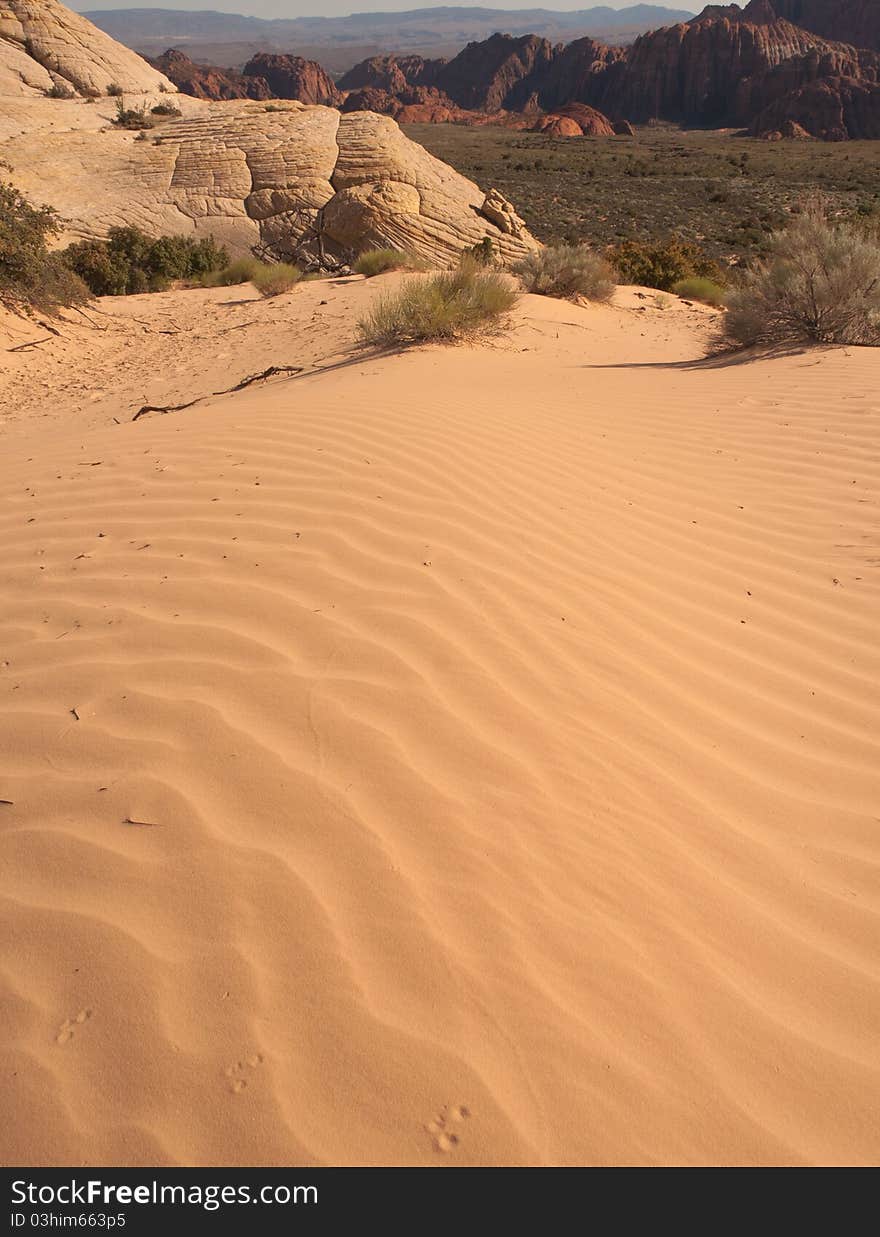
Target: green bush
(165,109)
(454,305)
(662,264)
(378,261)
(567,271)
(698,288)
(130,262)
(114,91)
(820,285)
(30,275)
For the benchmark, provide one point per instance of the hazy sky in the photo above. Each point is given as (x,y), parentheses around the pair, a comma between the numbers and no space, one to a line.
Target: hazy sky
(337,8)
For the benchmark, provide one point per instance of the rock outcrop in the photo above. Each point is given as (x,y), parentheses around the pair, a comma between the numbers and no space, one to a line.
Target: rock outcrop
(47,49)
(491,75)
(204,81)
(391,73)
(589,121)
(410,105)
(725,68)
(292,181)
(850,21)
(832,108)
(292,77)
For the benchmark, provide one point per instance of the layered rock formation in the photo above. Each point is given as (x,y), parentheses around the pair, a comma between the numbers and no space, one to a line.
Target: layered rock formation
(495,74)
(294,181)
(204,81)
(391,73)
(725,68)
(833,108)
(590,122)
(47,49)
(292,77)
(850,21)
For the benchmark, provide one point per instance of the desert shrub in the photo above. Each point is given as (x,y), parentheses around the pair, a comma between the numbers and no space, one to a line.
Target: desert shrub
(270,278)
(820,285)
(567,271)
(59,91)
(699,288)
(449,306)
(114,90)
(378,261)
(273,279)
(240,270)
(165,109)
(132,117)
(662,264)
(130,262)
(30,275)
(483,252)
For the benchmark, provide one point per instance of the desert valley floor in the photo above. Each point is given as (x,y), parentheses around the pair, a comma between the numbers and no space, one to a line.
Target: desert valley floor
(460,756)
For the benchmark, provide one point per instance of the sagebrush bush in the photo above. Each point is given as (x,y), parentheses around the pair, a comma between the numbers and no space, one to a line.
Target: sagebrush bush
(130,262)
(662,264)
(378,261)
(30,275)
(131,117)
(567,271)
(453,305)
(820,285)
(698,288)
(165,109)
(275,278)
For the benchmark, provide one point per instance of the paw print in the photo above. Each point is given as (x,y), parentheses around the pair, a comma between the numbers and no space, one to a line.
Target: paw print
(67,1030)
(445,1129)
(237,1073)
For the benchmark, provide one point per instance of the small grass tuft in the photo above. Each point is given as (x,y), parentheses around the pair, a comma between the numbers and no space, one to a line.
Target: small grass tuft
(377,261)
(452,306)
(240,270)
(274,279)
(698,288)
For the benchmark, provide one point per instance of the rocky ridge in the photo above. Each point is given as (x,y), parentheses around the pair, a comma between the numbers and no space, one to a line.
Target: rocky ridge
(294,182)
(728,67)
(47,49)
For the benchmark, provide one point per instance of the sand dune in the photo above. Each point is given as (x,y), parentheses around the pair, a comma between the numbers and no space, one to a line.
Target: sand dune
(460,757)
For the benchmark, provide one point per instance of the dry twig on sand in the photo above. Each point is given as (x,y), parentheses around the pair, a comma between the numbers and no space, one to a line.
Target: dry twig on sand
(239,386)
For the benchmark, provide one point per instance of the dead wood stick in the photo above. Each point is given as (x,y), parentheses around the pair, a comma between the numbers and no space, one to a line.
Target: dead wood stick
(239,386)
(31,344)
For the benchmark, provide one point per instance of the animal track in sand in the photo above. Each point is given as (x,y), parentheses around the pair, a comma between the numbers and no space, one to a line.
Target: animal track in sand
(444,1137)
(236,1073)
(67,1030)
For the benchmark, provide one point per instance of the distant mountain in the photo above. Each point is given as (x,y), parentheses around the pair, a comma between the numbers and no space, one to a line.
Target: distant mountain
(149,29)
